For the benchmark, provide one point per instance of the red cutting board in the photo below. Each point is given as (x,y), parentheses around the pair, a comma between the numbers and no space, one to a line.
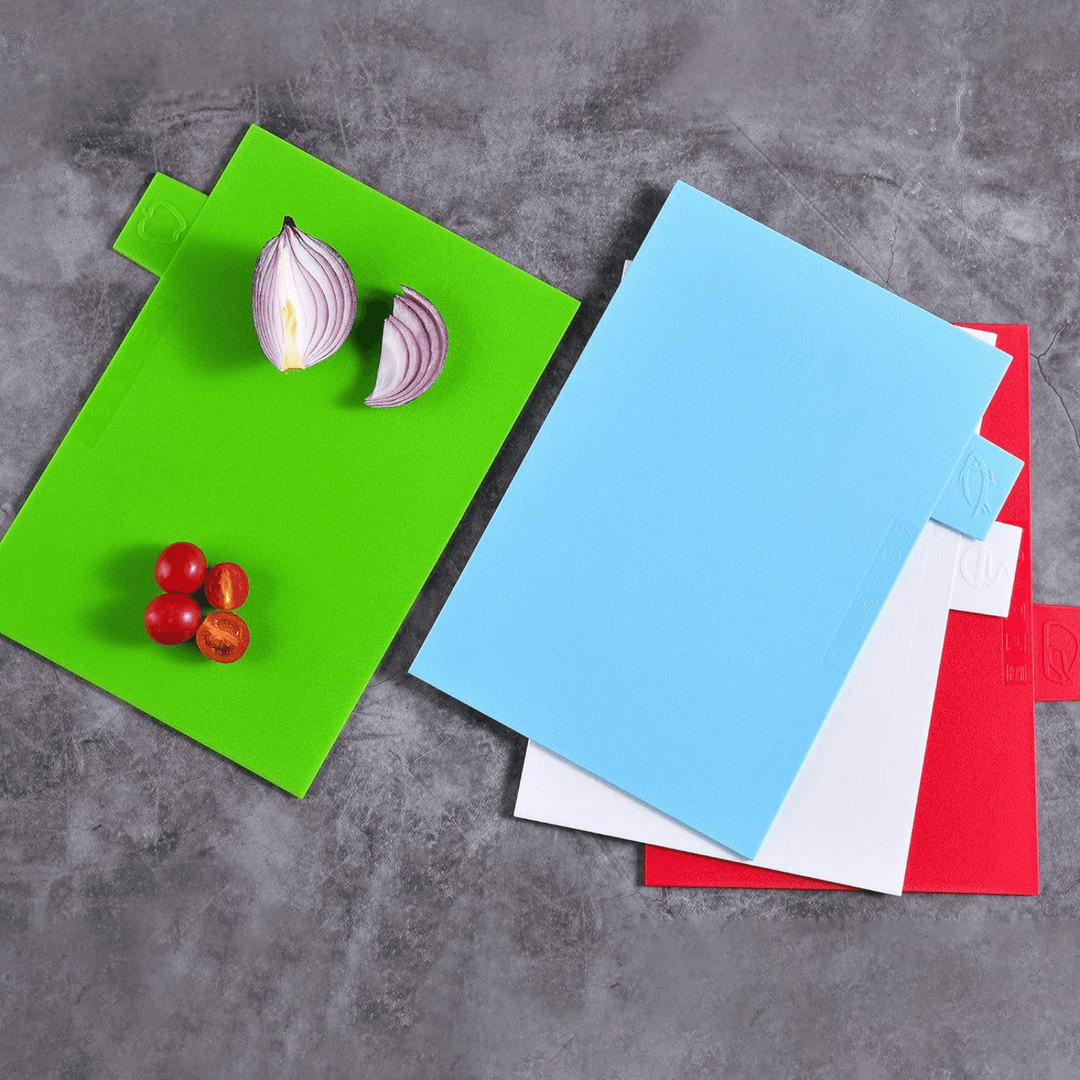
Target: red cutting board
(976,821)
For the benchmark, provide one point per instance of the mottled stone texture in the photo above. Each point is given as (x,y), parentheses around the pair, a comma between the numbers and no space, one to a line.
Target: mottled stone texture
(165,915)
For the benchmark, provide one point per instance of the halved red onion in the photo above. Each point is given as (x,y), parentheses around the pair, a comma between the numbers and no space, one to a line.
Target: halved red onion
(303,299)
(414,348)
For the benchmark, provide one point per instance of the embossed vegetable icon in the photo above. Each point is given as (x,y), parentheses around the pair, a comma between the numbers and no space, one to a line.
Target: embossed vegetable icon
(303,299)
(223,636)
(172,618)
(180,568)
(226,586)
(414,348)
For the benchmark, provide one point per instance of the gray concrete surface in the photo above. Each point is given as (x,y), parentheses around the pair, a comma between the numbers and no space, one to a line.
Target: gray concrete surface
(165,915)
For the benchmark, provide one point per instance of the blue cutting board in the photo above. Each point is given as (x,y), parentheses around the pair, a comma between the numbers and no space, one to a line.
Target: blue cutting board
(693,551)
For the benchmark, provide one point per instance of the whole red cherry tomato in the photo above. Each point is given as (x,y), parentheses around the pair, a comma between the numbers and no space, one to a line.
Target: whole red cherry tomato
(223,637)
(172,618)
(226,586)
(180,568)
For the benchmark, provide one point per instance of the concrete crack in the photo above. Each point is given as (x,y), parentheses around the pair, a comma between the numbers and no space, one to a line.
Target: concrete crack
(892,252)
(959,122)
(1038,358)
(895,230)
(963,189)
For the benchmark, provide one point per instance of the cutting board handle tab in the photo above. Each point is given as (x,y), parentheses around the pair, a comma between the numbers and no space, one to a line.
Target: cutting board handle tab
(159,223)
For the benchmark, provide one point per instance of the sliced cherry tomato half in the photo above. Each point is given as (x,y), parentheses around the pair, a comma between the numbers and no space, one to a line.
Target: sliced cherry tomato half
(223,637)
(226,586)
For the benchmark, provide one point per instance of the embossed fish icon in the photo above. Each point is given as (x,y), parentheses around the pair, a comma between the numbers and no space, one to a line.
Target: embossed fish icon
(976,482)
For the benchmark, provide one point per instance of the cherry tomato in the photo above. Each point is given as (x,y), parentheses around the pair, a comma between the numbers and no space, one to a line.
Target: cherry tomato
(226,586)
(180,568)
(223,637)
(172,618)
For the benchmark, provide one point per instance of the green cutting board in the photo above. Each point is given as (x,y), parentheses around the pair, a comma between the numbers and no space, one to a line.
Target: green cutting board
(337,511)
